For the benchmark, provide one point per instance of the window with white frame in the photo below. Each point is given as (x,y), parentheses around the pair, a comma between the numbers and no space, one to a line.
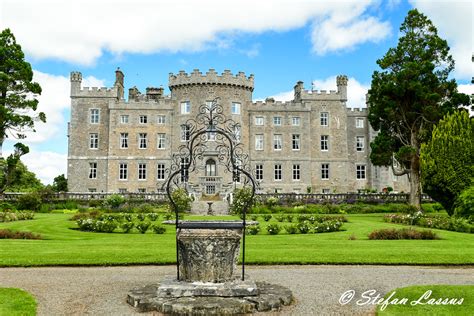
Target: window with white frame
(259,120)
(295,141)
(235,108)
(161,119)
(324,142)
(359,122)
(277,173)
(161,143)
(92,170)
(185,130)
(123,140)
(123,171)
(94,141)
(259,142)
(124,119)
(296,121)
(185,107)
(142,141)
(277,142)
(259,172)
(277,120)
(296,172)
(94,116)
(143,119)
(360,172)
(360,143)
(160,171)
(142,171)
(324,119)
(325,171)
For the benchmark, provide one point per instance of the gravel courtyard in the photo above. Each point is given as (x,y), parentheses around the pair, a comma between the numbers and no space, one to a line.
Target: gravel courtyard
(317,289)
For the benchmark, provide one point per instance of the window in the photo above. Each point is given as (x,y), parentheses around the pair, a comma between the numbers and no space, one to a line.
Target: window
(296,121)
(143,119)
(123,140)
(360,143)
(92,170)
(185,130)
(259,120)
(161,119)
(123,171)
(142,171)
(161,141)
(235,108)
(325,171)
(122,190)
(324,142)
(141,190)
(277,175)
(92,190)
(324,119)
(123,119)
(326,191)
(296,172)
(211,168)
(142,142)
(359,122)
(277,142)
(185,107)
(160,171)
(277,120)
(184,169)
(259,142)
(95,116)
(360,172)
(259,172)
(295,141)
(94,141)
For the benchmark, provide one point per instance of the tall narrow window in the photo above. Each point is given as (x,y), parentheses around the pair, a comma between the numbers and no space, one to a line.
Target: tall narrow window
(94,116)
(295,141)
(143,119)
(92,170)
(210,168)
(161,119)
(296,121)
(359,122)
(360,172)
(324,142)
(235,108)
(123,140)
(259,172)
(123,171)
(325,171)
(277,175)
(161,171)
(94,141)
(324,119)
(259,142)
(360,143)
(142,171)
(259,120)
(124,119)
(277,120)
(296,172)
(277,142)
(161,141)
(185,130)
(185,107)
(142,141)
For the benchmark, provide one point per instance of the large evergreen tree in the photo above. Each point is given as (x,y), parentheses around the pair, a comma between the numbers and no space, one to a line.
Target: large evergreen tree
(408,96)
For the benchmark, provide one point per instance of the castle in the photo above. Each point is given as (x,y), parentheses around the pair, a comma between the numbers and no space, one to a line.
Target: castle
(313,143)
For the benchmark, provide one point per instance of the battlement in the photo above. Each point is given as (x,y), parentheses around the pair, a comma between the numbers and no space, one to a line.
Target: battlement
(211,77)
(337,95)
(357,111)
(90,92)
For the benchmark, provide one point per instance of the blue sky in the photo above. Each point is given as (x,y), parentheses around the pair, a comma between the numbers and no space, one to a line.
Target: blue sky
(279,41)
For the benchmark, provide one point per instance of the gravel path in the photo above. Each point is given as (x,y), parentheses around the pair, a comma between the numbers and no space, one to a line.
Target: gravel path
(317,289)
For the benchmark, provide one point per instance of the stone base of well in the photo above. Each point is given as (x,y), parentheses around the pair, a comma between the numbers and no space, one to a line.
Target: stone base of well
(269,297)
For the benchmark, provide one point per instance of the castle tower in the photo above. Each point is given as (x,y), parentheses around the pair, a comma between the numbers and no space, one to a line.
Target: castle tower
(119,83)
(76,80)
(341,81)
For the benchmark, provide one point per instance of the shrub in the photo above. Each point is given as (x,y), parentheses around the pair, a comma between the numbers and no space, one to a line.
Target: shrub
(10,234)
(242,198)
(291,228)
(252,229)
(273,229)
(145,208)
(438,222)
(143,227)
(141,217)
(303,227)
(158,229)
(127,217)
(127,226)
(105,226)
(182,200)
(152,216)
(464,205)
(302,218)
(29,201)
(271,201)
(253,217)
(327,227)
(6,206)
(404,233)
(352,237)
(87,224)
(114,201)
(267,217)
(280,217)
(168,215)
(289,218)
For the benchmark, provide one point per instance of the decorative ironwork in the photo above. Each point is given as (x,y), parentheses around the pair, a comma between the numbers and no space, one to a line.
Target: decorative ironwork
(210,124)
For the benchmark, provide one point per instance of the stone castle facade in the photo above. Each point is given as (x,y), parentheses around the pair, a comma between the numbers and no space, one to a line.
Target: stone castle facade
(312,143)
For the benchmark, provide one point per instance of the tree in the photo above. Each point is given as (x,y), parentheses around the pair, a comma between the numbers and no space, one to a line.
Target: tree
(60,183)
(14,176)
(447,160)
(408,96)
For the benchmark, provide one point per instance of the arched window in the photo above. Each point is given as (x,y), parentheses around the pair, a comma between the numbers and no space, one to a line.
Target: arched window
(210,168)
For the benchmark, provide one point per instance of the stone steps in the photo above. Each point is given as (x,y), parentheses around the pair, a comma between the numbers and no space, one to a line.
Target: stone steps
(218,207)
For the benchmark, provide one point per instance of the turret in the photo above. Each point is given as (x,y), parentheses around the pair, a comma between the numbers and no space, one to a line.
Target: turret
(299,88)
(119,83)
(342,87)
(76,80)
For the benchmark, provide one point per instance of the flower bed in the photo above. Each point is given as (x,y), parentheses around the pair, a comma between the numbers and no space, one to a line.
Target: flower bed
(126,222)
(404,233)
(436,222)
(16,216)
(10,234)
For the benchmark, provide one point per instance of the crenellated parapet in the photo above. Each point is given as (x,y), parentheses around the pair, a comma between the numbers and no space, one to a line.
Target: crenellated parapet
(90,92)
(323,95)
(211,78)
(357,111)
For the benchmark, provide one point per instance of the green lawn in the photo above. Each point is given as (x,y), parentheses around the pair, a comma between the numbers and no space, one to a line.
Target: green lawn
(65,246)
(16,302)
(420,302)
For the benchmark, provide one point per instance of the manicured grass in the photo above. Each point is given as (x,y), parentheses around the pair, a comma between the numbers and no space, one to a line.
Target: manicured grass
(65,246)
(420,302)
(16,302)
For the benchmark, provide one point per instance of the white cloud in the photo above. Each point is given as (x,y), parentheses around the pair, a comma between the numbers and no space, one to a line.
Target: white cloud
(46,164)
(466,88)
(454,20)
(81,31)
(356,91)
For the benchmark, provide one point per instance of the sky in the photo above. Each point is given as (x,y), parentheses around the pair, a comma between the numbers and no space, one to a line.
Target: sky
(279,41)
